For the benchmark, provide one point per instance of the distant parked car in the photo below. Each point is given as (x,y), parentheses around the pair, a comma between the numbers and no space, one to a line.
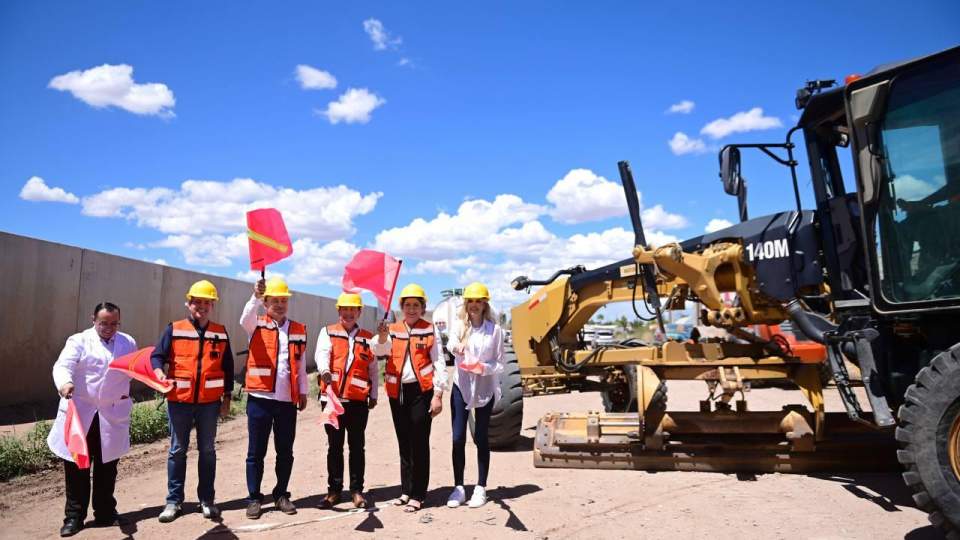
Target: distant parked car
(599,335)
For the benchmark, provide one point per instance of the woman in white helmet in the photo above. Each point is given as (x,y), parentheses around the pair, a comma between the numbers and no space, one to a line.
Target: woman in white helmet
(476,341)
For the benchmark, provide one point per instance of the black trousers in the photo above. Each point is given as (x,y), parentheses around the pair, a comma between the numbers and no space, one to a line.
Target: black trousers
(78,482)
(411,421)
(353,423)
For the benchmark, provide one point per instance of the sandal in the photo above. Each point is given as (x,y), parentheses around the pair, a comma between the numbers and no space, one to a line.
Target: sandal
(401,500)
(412,506)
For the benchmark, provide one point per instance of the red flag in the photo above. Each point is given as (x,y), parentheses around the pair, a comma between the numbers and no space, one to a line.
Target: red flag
(471,363)
(332,409)
(75,438)
(136,365)
(374,271)
(267,237)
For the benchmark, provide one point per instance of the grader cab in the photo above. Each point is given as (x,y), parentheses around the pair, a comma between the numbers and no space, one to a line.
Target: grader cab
(871,273)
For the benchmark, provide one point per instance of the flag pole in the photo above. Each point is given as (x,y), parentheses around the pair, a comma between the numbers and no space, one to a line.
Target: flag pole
(393,289)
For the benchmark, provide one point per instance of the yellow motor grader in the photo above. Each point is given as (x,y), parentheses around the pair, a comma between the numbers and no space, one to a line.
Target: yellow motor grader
(871,272)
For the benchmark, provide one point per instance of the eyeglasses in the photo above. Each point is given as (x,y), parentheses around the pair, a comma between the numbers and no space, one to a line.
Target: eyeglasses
(104,324)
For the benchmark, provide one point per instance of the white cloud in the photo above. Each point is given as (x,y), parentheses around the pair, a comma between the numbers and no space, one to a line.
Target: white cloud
(353,107)
(740,122)
(682,144)
(207,250)
(112,202)
(405,62)
(160,261)
(909,187)
(315,263)
(381,38)
(35,189)
(684,107)
(478,225)
(609,245)
(657,218)
(716,225)
(312,78)
(113,85)
(202,207)
(449,266)
(581,196)
(252,276)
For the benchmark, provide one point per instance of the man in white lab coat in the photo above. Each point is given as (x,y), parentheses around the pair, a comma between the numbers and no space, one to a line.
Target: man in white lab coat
(102,400)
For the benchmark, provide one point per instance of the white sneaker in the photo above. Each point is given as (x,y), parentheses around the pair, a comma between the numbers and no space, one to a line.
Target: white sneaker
(457,497)
(170,513)
(209,510)
(479,497)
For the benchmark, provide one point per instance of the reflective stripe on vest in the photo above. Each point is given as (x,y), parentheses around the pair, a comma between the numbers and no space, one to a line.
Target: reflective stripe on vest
(415,342)
(196,367)
(349,369)
(263,356)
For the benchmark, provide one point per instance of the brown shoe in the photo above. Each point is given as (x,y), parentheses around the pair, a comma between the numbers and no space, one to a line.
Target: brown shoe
(253,510)
(359,501)
(329,501)
(284,505)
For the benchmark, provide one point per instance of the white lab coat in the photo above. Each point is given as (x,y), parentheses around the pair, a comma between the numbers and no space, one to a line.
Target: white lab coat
(84,362)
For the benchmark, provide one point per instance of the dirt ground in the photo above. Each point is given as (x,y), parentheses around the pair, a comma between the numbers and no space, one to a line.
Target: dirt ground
(525,502)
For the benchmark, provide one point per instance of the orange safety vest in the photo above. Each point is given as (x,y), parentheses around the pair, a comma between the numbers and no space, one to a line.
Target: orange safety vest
(262,356)
(417,342)
(196,366)
(351,383)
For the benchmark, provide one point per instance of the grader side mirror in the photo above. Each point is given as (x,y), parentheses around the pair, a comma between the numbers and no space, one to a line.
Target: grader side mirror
(730,170)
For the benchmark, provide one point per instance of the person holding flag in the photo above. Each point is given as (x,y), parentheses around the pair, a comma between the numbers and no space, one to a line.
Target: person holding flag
(197,351)
(346,363)
(276,380)
(476,341)
(415,379)
(94,416)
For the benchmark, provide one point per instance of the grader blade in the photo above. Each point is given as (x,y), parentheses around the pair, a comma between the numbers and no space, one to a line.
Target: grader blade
(722,441)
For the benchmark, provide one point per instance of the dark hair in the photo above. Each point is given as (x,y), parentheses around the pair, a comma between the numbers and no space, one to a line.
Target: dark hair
(109,306)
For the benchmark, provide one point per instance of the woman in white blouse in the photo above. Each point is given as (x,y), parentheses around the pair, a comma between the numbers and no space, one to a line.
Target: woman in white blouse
(476,340)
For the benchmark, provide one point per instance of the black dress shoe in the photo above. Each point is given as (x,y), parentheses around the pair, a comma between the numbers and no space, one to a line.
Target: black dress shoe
(111,521)
(71,527)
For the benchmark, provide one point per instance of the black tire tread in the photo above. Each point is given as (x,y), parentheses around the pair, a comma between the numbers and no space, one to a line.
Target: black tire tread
(925,402)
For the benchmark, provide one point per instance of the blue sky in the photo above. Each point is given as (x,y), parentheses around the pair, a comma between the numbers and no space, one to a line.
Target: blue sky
(475,141)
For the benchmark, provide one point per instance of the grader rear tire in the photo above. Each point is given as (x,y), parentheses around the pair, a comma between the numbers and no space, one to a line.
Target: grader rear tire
(929,437)
(506,420)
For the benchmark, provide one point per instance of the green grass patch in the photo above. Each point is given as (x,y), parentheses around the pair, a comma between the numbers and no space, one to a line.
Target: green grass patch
(148,421)
(24,455)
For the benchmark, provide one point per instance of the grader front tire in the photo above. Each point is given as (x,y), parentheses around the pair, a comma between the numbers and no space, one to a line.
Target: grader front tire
(929,437)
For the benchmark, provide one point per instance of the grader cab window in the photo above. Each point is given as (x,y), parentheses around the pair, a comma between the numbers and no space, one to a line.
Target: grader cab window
(919,213)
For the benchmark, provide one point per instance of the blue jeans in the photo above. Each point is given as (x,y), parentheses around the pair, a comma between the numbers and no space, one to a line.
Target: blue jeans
(183,417)
(262,416)
(459,415)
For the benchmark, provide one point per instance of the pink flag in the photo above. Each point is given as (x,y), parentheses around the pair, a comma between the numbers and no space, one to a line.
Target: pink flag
(332,409)
(374,271)
(267,238)
(75,438)
(136,365)
(471,363)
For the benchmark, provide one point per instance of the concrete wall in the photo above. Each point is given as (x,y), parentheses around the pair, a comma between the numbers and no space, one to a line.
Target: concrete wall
(49,291)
